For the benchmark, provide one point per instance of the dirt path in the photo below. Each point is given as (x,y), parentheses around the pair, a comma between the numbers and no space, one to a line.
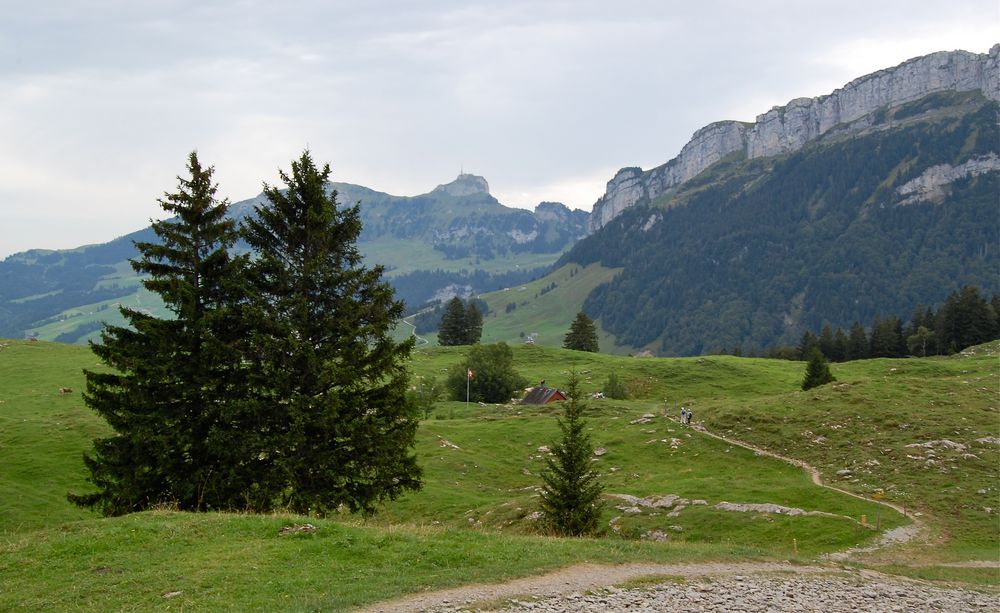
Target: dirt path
(578,578)
(582,578)
(421,341)
(812,471)
(896,536)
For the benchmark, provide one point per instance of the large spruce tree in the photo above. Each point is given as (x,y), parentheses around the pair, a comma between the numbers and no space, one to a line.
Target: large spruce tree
(461,323)
(571,492)
(172,382)
(453,324)
(473,323)
(582,335)
(329,381)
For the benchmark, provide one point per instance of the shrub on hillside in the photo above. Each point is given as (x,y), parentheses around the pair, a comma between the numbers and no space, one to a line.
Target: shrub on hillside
(493,378)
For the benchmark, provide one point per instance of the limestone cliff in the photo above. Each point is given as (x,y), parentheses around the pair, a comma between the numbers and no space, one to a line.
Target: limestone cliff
(787,128)
(933,183)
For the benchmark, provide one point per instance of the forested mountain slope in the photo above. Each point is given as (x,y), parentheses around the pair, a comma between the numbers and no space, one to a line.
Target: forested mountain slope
(897,210)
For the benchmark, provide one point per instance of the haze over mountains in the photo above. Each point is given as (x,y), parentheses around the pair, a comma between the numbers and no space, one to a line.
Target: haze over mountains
(875,198)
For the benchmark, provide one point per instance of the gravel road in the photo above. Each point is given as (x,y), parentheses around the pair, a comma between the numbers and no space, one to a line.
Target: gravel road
(737,587)
(828,594)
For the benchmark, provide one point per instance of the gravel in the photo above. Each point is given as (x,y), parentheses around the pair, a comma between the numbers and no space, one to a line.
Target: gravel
(829,594)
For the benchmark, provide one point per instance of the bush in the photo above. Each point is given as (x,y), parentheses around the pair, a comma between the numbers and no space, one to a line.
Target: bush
(615,388)
(493,376)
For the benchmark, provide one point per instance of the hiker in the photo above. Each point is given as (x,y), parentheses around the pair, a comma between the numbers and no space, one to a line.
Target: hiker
(683,414)
(689,416)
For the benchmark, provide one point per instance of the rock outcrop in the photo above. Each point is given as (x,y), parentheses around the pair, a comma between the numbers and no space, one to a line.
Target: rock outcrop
(932,184)
(787,128)
(464,185)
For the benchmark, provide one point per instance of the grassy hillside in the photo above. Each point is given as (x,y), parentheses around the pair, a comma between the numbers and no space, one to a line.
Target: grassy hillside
(472,521)
(542,311)
(164,561)
(42,433)
(924,430)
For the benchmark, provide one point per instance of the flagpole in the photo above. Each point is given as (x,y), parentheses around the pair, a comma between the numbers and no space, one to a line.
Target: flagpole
(468,381)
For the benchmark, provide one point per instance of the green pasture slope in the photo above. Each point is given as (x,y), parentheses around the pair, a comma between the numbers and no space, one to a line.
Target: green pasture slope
(472,521)
(541,312)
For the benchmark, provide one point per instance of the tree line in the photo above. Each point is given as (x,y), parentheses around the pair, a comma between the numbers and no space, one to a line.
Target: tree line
(965,318)
(276,384)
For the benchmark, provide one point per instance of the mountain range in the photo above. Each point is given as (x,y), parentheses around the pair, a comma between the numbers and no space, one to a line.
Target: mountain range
(455,239)
(870,200)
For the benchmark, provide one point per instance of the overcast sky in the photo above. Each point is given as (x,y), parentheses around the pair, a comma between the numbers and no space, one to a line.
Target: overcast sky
(100,101)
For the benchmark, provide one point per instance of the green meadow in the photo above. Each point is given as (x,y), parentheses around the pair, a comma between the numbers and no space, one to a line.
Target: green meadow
(880,426)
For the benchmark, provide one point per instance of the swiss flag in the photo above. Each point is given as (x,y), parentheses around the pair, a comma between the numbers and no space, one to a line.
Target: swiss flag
(469,373)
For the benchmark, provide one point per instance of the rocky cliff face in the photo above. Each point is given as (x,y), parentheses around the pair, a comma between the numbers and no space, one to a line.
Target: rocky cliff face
(933,183)
(787,128)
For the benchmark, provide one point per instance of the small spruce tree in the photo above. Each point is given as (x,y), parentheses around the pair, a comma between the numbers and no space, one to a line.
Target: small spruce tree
(571,492)
(817,371)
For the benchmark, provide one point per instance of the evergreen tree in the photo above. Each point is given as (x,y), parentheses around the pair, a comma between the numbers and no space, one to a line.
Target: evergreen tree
(817,371)
(807,344)
(916,320)
(857,342)
(473,324)
(826,341)
(329,381)
(976,320)
(840,344)
(887,338)
(454,324)
(174,383)
(582,335)
(461,324)
(571,492)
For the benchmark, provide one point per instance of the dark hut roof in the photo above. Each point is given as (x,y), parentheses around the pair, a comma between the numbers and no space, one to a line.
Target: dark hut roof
(543,395)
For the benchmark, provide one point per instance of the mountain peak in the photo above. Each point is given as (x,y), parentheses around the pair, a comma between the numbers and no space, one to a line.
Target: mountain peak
(464,185)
